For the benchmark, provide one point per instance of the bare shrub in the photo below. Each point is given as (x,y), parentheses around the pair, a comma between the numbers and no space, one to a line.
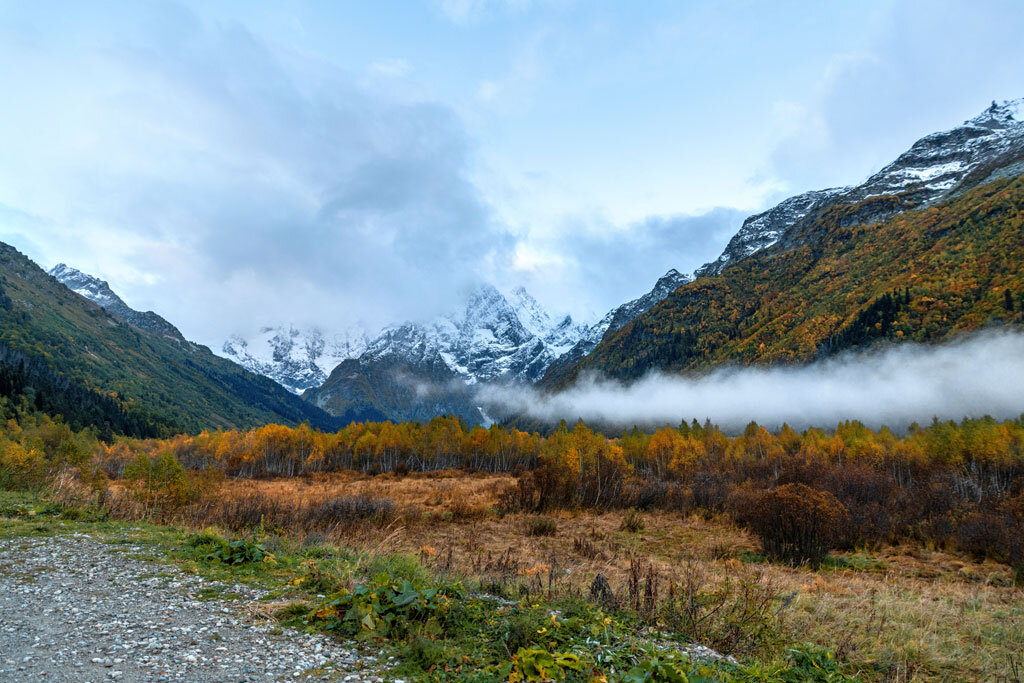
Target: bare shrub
(642,589)
(651,495)
(996,533)
(601,591)
(521,496)
(348,511)
(248,512)
(737,616)
(584,547)
(709,492)
(463,510)
(796,523)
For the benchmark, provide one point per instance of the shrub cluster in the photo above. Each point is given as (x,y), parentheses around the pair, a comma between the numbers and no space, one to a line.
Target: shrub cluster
(796,523)
(948,484)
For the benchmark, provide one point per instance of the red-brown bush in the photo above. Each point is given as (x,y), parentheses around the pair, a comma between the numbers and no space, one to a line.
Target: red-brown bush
(796,523)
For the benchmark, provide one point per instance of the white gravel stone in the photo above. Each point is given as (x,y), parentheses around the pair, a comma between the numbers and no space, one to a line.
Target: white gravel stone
(75,609)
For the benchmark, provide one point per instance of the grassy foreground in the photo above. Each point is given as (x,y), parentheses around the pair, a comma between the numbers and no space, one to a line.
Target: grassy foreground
(438,627)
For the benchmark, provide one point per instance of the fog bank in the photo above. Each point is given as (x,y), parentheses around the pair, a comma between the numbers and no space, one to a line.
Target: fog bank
(982,374)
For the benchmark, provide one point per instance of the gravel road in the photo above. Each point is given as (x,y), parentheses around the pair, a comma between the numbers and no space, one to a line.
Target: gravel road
(75,609)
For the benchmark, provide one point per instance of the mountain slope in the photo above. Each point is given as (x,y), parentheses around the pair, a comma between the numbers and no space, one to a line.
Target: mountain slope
(99,292)
(752,292)
(611,322)
(922,275)
(940,165)
(167,383)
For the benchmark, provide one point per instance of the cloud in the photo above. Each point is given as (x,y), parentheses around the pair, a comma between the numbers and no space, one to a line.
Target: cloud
(259,184)
(927,67)
(228,182)
(390,68)
(975,376)
(601,262)
(466,12)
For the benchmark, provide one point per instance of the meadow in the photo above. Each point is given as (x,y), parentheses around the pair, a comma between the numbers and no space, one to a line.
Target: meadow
(813,556)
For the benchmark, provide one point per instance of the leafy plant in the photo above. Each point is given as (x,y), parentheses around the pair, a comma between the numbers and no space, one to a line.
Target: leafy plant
(385,608)
(536,664)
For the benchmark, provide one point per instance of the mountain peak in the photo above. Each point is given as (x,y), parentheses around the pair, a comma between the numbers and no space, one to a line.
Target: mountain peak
(100,293)
(295,357)
(937,166)
(1007,112)
(673,275)
(62,270)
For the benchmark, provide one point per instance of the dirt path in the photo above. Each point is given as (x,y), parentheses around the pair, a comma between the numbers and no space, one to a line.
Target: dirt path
(75,609)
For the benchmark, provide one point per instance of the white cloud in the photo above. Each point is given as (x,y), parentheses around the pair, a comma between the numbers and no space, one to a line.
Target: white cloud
(226,183)
(927,68)
(488,91)
(973,377)
(390,68)
(465,12)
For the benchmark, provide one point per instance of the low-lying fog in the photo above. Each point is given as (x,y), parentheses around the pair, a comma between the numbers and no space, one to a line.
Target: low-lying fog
(975,376)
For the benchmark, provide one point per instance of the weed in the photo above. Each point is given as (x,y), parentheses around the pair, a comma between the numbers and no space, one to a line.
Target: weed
(541,526)
(584,547)
(633,522)
(736,616)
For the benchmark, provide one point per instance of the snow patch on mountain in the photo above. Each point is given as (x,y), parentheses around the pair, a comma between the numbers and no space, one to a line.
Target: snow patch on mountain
(490,338)
(935,167)
(294,357)
(100,293)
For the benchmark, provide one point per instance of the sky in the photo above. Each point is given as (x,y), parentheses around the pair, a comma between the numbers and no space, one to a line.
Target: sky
(232,165)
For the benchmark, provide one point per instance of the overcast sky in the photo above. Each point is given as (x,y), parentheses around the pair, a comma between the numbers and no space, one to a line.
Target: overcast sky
(235,164)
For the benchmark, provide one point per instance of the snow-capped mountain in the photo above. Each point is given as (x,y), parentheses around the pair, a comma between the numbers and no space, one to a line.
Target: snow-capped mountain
(489,339)
(983,148)
(418,370)
(614,319)
(765,229)
(559,335)
(99,292)
(295,358)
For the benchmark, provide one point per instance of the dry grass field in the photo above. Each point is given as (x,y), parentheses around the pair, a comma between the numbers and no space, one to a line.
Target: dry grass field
(915,612)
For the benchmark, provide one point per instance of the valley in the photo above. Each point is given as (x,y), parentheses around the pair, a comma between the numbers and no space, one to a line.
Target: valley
(503,493)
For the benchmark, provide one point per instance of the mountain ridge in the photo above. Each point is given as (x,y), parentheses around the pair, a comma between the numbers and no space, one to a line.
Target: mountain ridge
(614,320)
(937,165)
(296,358)
(99,292)
(925,275)
(438,362)
(164,383)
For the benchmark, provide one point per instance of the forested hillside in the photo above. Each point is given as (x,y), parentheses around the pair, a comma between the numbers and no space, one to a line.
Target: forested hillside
(60,353)
(837,283)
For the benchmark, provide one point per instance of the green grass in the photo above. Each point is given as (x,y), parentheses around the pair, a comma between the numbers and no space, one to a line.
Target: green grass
(858,562)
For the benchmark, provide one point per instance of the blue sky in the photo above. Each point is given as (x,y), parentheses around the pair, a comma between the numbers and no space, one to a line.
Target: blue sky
(234,164)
